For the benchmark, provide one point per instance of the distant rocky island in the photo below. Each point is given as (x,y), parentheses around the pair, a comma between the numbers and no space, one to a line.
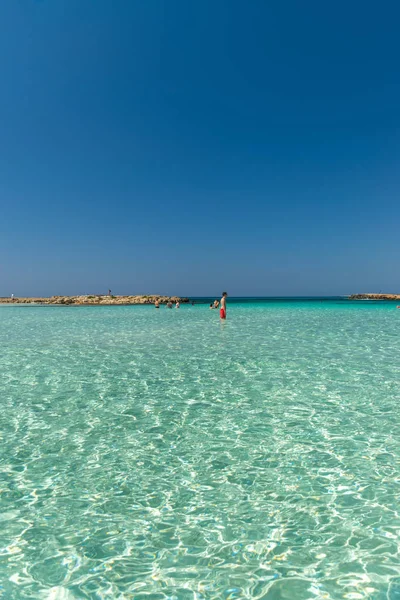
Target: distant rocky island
(95,300)
(374,297)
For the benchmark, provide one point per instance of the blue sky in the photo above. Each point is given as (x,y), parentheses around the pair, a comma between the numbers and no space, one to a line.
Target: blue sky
(189,147)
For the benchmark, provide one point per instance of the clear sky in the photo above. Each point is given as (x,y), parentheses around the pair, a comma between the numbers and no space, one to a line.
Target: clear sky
(183,147)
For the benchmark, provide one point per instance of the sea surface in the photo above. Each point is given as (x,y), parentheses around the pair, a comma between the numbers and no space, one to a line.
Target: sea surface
(162,454)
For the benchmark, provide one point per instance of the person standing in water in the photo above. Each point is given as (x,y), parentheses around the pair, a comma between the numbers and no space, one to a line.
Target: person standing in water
(222,311)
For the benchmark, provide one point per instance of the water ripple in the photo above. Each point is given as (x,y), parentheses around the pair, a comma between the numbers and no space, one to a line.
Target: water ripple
(157,454)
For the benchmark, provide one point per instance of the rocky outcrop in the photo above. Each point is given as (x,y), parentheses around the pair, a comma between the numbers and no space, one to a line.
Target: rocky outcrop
(95,300)
(375,297)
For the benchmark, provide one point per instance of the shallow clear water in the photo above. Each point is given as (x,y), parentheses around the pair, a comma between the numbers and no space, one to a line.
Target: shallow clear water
(162,454)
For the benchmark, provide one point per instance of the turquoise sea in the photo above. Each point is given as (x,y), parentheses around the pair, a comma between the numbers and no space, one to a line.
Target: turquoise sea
(162,454)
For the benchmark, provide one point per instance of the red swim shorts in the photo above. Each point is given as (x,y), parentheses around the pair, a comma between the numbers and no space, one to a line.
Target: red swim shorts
(222,313)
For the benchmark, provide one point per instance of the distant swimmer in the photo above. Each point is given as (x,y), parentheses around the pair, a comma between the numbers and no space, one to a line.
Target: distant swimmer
(222,312)
(177,305)
(169,304)
(212,306)
(216,303)
(156,304)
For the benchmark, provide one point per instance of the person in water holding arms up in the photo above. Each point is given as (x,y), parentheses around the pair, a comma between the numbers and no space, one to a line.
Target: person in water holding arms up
(222,311)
